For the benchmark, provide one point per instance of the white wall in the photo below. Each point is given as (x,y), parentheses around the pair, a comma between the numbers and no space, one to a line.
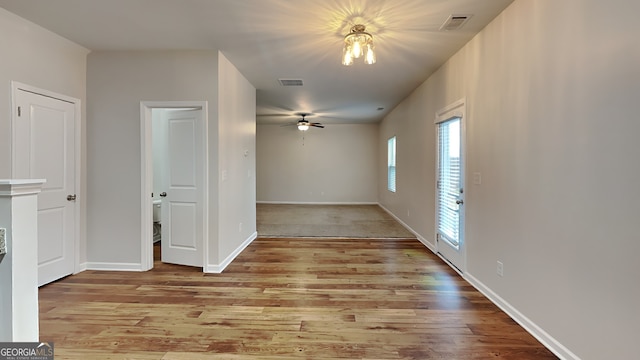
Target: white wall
(116,83)
(237,164)
(34,56)
(414,200)
(552,90)
(337,164)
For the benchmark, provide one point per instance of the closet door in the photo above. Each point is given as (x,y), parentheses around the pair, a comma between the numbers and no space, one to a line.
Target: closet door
(44,148)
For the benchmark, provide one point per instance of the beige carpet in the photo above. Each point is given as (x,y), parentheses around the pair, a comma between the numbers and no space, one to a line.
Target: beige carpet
(341,221)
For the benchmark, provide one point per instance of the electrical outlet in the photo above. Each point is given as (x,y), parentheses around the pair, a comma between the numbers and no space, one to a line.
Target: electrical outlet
(500,269)
(3,242)
(240,228)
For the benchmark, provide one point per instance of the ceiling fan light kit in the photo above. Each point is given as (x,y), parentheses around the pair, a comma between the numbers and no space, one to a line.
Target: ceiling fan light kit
(304,125)
(358,43)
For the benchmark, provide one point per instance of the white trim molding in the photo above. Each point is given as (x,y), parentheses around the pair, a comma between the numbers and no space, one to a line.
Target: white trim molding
(18,187)
(219,268)
(78,166)
(420,238)
(547,340)
(315,203)
(105,266)
(146,170)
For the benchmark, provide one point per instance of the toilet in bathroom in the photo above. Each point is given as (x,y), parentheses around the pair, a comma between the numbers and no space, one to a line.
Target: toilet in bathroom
(157,213)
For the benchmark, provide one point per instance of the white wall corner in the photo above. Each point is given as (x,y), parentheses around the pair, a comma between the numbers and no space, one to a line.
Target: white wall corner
(425,242)
(219,268)
(82,267)
(420,238)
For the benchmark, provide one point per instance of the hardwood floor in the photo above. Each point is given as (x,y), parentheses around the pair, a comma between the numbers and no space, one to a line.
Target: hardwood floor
(285,299)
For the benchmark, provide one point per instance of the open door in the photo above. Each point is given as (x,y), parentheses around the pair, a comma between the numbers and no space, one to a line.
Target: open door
(183,195)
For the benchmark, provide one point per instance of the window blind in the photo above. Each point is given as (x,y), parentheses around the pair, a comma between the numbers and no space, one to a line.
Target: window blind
(391,164)
(449,180)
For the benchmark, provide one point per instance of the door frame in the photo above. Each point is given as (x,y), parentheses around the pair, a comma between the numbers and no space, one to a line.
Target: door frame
(146,202)
(77,143)
(456,109)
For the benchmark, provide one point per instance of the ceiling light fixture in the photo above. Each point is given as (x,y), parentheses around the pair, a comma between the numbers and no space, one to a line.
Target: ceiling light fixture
(358,43)
(303,126)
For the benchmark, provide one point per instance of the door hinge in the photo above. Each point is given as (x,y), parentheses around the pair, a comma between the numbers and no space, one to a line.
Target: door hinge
(19,111)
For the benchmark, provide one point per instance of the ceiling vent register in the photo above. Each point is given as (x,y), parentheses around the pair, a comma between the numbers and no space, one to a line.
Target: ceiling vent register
(455,22)
(290,82)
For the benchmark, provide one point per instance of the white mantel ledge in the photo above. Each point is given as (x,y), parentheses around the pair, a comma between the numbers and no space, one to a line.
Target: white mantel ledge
(17,187)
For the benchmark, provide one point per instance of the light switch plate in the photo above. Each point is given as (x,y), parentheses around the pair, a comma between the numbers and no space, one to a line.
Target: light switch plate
(3,242)
(477,178)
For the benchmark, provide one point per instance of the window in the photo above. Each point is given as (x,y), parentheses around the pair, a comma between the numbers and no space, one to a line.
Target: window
(449,181)
(391,164)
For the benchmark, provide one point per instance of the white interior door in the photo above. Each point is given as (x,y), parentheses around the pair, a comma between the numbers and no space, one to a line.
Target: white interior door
(44,148)
(183,199)
(450,186)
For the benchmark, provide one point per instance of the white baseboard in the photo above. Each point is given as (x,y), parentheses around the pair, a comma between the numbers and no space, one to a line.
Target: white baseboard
(315,203)
(547,340)
(424,241)
(80,268)
(113,266)
(217,269)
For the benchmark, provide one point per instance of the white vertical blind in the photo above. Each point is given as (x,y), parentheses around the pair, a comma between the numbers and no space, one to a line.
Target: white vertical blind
(391,164)
(449,185)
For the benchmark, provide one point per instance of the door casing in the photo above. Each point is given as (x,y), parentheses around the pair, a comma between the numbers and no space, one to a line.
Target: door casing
(455,110)
(146,226)
(77,143)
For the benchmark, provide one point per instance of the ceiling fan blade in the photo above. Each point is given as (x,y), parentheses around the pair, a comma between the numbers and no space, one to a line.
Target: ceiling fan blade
(291,123)
(318,125)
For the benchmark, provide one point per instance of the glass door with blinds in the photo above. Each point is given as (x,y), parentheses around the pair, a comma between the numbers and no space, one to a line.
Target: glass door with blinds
(450,187)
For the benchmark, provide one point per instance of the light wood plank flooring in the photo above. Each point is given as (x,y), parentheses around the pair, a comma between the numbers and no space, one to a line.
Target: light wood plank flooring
(285,299)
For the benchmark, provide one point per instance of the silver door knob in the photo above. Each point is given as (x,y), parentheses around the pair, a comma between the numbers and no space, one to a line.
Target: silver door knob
(71,197)
(163,194)
(459,202)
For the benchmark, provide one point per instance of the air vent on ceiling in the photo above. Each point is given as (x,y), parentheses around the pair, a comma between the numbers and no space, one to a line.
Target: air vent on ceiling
(290,82)
(455,22)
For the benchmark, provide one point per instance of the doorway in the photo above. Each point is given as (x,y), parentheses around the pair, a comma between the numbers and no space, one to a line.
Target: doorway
(174,135)
(44,144)
(450,185)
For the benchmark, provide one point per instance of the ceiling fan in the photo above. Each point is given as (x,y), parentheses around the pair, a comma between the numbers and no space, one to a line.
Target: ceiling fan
(304,124)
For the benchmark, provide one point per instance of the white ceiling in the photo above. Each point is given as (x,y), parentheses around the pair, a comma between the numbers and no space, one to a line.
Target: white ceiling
(272,39)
